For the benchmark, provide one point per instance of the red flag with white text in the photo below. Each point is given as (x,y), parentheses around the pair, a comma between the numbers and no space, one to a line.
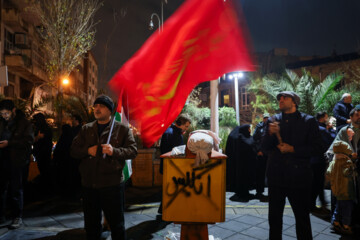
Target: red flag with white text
(201,41)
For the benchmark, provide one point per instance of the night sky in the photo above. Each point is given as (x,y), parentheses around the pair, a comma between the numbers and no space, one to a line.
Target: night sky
(305,27)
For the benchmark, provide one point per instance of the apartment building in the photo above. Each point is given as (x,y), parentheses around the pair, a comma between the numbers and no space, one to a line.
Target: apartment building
(23,55)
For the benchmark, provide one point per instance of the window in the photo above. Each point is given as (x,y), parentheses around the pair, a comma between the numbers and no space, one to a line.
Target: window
(9,91)
(11,77)
(89,90)
(245,99)
(9,41)
(25,88)
(225,98)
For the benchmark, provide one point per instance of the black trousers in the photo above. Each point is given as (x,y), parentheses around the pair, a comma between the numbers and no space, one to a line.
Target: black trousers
(260,173)
(299,201)
(317,188)
(111,201)
(11,184)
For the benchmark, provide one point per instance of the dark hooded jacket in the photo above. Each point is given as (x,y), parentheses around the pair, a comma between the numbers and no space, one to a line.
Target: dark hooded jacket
(20,136)
(240,165)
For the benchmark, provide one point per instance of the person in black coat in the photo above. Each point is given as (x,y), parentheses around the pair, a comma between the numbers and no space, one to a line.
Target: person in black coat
(318,164)
(63,160)
(291,139)
(241,162)
(342,110)
(261,158)
(16,138)
(42,149)
(173,137)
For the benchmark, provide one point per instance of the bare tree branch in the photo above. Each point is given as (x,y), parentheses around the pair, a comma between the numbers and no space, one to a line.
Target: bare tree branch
(68,31)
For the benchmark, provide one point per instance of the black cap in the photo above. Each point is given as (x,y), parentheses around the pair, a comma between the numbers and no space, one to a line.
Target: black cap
(291,94)
(105,100)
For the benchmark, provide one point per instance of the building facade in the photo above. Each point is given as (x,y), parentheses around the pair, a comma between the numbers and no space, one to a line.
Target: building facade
(23,55)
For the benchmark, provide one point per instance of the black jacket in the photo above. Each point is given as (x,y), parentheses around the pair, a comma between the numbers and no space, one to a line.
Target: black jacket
(241,162)
(292,169)
(97,172)
(258,135)
(20,136)
(171,138)
(341,112)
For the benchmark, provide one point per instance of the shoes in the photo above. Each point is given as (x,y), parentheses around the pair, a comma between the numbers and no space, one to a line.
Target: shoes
(346,229)
(342,229)
(16,223)
(262,197)
(320,212)
(241,198)
(336,226)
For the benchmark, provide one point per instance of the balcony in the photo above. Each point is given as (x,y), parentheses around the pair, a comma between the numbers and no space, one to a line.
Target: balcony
(27,62)
(19,59)
(11,17)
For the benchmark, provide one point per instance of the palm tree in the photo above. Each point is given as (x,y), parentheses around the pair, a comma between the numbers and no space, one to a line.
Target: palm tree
(314,94)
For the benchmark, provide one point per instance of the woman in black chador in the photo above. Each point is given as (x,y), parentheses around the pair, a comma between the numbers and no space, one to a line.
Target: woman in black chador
(240,165)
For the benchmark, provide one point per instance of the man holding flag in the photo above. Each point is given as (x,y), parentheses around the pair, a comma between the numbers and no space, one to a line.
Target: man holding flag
(101,169)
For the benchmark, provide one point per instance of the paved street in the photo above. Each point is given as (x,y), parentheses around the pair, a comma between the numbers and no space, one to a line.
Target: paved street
(61,218)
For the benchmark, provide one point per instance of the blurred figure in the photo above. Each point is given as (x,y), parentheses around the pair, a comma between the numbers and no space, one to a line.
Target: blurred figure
(16,138)
(318,164)
(173,137)
(76,124)
(342,110)
(261,158)
(240,165)
(62,159)
(355,146)
(342,177)
(42,149)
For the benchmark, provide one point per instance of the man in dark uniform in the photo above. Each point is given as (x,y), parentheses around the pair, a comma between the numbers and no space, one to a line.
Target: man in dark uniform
(290,140)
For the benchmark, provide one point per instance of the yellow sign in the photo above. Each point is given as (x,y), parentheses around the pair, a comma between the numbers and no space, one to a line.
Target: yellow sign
(194,194)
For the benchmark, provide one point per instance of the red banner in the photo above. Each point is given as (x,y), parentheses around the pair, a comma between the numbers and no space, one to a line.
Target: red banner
(201,41)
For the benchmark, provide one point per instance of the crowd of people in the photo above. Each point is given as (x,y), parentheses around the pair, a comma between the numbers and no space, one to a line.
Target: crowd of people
(22,141)
(100,179)
(297,155)
(292,152)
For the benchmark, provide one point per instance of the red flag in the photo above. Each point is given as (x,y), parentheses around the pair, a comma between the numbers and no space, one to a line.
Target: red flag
(200,42)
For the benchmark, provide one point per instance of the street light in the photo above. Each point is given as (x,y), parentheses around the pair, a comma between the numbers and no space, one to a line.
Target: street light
(65,81)
(151,24)
(236,76)
(161,20)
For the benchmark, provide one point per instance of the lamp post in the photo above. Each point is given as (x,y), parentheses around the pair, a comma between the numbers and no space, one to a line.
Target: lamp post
(151,24)
(236,76)
(161,20)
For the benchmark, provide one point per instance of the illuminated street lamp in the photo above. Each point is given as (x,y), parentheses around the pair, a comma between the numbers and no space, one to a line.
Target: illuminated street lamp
(151,24)
(161,20)
(236,76)
(65,81)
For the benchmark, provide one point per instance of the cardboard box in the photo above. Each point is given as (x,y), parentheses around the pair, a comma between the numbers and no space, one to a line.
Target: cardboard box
(191,194)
